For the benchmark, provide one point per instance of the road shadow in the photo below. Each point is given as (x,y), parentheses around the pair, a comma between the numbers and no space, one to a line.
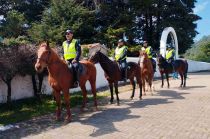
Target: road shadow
(104,121)
(33,126)
(191,87)
(170,94)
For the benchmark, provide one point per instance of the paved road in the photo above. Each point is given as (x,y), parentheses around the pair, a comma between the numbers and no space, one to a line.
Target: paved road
(175,113)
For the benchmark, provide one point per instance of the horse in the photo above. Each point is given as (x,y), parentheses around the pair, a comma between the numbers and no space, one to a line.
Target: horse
(180,66)
(113,74)
(147,72)
(61,77)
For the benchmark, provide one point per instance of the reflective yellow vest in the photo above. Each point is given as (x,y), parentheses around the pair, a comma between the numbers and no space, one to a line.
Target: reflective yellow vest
(148,51)
(169,54)
(119,52)
(69,50)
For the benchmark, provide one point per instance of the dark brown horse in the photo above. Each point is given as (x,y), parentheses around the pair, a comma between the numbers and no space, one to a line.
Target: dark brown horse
(180,66)
(147,72)
(113,75)
(61,78)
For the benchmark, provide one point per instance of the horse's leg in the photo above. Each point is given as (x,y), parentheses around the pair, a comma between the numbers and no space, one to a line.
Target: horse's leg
(167,78)
(93,88)
(150,85)
(40,78)
(185,77)
(116,92)
(57,97)
(67,101)
(138,78)
(162,80)
(111,91)
(182,76)
(132,82)
(84,94)
(143,85)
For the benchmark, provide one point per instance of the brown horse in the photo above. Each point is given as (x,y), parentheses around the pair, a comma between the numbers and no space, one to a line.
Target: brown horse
(61,78)
(180,66)
(147,72)
(113,74)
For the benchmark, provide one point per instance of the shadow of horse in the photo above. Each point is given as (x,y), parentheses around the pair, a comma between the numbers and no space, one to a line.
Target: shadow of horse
(31,127)
(103,120)
(106,125)
(170,94)
(192,87)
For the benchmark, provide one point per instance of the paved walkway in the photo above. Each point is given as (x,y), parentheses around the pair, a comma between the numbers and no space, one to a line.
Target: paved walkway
(175,113)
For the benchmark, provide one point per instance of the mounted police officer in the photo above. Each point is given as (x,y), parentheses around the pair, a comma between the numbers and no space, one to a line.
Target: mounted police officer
(72,52)
(149,51)
(120,56)
(170,54)
(170,57)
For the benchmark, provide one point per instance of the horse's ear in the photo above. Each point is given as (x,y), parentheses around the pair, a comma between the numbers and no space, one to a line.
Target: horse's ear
(47,44)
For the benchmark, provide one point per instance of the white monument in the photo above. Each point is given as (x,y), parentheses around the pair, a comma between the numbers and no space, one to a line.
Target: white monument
(163,41)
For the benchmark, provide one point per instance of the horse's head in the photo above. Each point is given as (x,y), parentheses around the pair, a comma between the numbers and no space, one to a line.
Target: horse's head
(95,57)
(160,59)
(142,56)
(43,56)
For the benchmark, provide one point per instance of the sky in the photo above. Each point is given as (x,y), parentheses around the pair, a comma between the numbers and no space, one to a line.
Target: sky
(202,9)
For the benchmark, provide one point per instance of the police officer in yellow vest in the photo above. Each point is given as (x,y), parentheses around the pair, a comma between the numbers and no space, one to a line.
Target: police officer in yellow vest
(120,56)
(149,51)
(170,53)
(72,52)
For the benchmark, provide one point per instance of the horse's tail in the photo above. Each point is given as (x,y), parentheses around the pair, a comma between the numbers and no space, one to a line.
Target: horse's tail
(186,69)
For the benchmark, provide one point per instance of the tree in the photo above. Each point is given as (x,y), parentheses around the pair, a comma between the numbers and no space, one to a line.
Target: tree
(32,9)
(200,51)
(61,16)
(13,25)
(8,67)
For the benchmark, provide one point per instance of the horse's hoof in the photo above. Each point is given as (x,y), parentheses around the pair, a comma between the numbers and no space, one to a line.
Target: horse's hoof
(58,118)
(68,119)
(131,98)
(140,98)
(111,102)
(95,109)
(118,103)
(83,109)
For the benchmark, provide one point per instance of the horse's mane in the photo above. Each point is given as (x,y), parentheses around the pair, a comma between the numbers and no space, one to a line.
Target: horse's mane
(106,58)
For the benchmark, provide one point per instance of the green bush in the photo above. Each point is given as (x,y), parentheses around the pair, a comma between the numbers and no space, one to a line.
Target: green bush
(20,40)
(85,52)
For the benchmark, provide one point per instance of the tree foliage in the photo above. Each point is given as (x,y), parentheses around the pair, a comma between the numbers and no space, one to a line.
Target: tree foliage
(61,16)
(200,51)
(13,25)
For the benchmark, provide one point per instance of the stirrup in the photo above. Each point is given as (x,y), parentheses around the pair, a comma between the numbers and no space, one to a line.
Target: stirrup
(75,84)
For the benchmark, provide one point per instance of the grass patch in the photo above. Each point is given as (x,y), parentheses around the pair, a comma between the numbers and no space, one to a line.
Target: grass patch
(25,109)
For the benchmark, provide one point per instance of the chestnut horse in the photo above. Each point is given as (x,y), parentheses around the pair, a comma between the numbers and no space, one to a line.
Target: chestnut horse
(147,72)
(61,78)
(180,66)
(113,74)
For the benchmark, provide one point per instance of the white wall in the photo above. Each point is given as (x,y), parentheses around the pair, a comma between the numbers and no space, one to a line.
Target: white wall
(22,86)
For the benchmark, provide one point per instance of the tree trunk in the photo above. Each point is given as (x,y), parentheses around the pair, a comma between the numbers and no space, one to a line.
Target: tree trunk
(9,92)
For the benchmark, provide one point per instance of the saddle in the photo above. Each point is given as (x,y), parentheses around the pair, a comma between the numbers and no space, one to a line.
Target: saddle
(77,73)
(123,71)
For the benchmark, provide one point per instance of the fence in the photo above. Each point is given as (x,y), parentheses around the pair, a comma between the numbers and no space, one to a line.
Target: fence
(22,86)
